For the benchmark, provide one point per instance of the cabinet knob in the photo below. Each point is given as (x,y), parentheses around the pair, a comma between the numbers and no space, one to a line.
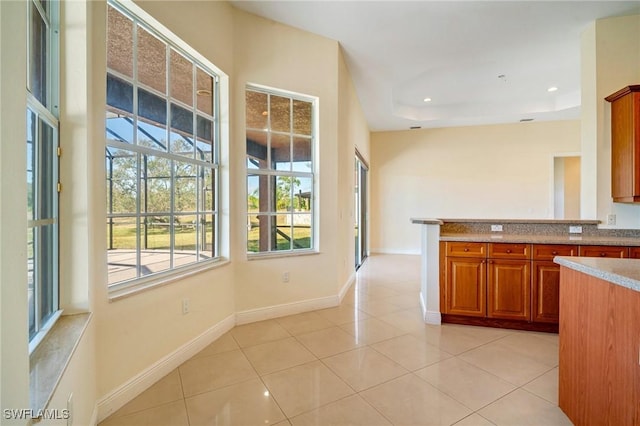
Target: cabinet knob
(508,250)
(466,249)
(603,254)
(554,253)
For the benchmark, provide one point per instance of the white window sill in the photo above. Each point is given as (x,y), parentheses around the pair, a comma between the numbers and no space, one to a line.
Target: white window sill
(154,281)
(276,254)
(50,359)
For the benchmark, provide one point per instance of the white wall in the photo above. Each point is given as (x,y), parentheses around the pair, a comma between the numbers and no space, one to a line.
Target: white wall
(499,171)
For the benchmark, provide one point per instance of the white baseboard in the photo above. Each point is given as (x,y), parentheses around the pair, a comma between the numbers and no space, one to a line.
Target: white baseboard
(93,421)
(276,311)
(346,286)
(118,397)
(430,317)
(395,251)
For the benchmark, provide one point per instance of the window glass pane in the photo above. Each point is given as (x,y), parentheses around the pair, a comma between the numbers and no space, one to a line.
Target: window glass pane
(31,161)
(302,155)
(122,256)
(301,231)
(256,194)
(258,233)
(156,184)
(204,91)
(119,42)
(46,176)
(46,249)
(206,240)
(38,56)
(185,240)
(281,236)
(152,64)
(257,150)
(204,146)
(301,117)
(282,192)
(31,281)
(181,78)
(122,181)
(182,131)
(257,110)
(156,243)
(280,114)
(208,189)
(152,135)
(281,152)
(185,187)
(119,127)
(119,94)
(302,187)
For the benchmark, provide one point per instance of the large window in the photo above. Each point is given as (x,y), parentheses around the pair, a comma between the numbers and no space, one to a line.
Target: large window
(161,153)
(280,171)
(42,167)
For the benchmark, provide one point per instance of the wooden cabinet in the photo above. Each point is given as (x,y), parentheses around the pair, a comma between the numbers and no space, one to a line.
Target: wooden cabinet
(625,144)
(509,288)
(634,252)
(466,286)
(545,281)
(603,251)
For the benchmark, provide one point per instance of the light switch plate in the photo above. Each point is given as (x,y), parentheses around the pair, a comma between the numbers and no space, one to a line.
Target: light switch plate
(496,228)
(575,229)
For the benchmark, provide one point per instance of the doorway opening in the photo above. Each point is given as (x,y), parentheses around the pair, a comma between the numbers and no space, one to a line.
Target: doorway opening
(566,187)
(361,210)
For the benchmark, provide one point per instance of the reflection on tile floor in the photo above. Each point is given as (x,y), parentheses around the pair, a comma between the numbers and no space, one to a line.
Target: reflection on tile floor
(370,361)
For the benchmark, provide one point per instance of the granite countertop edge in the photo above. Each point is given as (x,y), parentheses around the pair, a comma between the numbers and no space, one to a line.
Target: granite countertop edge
(541,239)
(622,272)
(526,221)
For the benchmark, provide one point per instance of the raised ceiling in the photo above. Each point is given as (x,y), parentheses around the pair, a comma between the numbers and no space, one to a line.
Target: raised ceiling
(480,62)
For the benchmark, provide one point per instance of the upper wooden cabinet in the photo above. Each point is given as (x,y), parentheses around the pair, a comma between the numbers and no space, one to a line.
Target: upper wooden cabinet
(625,144)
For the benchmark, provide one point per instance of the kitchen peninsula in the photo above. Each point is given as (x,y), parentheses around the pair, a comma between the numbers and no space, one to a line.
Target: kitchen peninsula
(500,273)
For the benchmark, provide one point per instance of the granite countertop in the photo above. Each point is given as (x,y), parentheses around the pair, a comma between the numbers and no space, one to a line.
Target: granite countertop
(576,239)
(623,272)
(526,221)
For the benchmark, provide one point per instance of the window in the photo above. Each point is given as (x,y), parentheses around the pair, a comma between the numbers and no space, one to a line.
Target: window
(280,171)
(161,153)
(42,167)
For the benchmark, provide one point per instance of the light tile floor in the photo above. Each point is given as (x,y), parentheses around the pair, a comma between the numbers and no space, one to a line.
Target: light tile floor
(370,361)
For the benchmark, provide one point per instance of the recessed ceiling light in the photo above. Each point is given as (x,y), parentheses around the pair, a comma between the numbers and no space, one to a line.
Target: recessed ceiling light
(427,99)
(415,127)
(552,89)
(203,92)
(524,120)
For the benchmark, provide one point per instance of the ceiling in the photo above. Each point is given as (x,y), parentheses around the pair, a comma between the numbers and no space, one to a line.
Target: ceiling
(480,62)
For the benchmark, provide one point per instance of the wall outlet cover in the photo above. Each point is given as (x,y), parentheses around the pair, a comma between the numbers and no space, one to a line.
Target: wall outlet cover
(575,229)
(496,228)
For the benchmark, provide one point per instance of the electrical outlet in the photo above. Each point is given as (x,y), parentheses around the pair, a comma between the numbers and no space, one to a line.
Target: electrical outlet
(496,228)
(575,229)
(186,306)
(285,277)
(611,219)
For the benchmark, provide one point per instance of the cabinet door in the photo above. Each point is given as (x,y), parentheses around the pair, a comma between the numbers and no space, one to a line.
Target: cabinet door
(549,251)
(604,251)
(545,300)
(466,286)
(509,289)
(634,252)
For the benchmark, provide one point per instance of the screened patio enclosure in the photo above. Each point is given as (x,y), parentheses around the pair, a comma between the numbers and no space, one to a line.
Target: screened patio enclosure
(161,153)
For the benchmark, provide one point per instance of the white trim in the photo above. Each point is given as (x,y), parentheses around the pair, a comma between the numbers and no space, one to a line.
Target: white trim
(345,287)
(429,317)
(276,311)
(394,251)
(118,397)
(93,421)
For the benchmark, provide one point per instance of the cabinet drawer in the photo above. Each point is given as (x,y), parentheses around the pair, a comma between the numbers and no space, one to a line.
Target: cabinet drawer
(549,251)
(509,251)
(604,251)
(634,252)
(464,249)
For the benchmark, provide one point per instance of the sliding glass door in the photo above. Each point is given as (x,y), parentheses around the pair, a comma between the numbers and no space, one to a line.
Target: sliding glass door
(361,211)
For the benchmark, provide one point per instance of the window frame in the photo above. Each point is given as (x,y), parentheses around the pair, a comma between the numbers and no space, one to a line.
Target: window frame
(44,114)
(273,173)
(172,42)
